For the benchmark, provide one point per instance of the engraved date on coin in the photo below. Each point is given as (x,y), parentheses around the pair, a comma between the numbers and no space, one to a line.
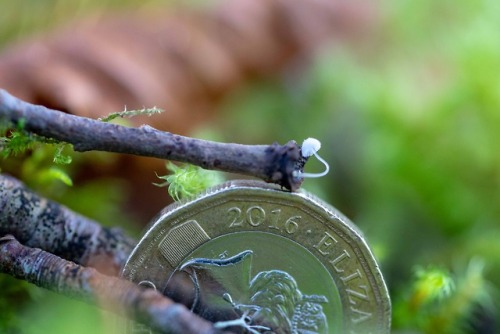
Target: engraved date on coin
(256,216)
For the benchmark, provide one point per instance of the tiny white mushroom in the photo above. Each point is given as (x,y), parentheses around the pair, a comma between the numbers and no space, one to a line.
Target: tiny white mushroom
(311,146)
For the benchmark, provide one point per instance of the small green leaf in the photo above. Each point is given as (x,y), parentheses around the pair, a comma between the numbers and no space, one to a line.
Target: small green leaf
(51,174)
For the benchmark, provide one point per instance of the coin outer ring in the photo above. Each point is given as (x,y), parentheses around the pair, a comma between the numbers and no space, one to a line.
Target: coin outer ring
(374,293)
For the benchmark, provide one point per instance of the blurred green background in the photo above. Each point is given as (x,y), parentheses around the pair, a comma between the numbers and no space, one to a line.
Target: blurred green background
(411,127)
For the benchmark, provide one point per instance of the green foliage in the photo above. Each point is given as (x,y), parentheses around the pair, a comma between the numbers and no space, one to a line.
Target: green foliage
(38,171)
(12,289)
(54,313)
(101,199)
(188,180)
(14,140)
(426,295)
(432,284)
(438,303)
(131,113)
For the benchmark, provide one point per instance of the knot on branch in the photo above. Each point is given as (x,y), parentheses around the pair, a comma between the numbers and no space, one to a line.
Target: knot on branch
(287,159)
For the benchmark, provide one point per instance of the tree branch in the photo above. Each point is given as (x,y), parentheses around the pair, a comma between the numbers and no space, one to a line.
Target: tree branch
(38,222)
(272,163)
(123,297)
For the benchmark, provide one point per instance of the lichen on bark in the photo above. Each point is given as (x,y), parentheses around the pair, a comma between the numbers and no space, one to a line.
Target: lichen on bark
(41,223)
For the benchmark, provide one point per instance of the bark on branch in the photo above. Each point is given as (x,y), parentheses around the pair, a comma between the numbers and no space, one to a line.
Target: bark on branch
(272,163)
(38,222)
(123,297)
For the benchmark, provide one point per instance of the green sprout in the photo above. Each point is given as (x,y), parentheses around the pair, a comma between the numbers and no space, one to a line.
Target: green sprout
(60,157)
(188,180)
(131,113)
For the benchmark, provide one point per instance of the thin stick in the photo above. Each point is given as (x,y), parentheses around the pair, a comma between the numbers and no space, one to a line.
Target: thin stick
(272,163)
(38,222)
(123,297)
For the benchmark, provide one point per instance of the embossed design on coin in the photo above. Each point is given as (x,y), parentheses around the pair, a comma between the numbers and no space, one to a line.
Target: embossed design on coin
(186,236)
(270,301)
(260,260)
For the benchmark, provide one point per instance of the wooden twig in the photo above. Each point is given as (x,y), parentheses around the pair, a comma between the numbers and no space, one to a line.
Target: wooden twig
(41,223)
(87,284)
(272,163)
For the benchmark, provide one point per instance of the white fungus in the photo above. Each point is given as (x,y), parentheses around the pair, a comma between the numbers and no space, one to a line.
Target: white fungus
(311,146)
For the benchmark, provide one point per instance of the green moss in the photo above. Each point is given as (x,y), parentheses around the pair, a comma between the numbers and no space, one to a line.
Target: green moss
(188,180)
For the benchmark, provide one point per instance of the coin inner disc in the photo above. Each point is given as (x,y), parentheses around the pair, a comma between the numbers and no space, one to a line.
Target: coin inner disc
(271,277)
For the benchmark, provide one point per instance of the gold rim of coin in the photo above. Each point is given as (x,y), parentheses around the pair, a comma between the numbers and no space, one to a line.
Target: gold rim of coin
(255,259)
